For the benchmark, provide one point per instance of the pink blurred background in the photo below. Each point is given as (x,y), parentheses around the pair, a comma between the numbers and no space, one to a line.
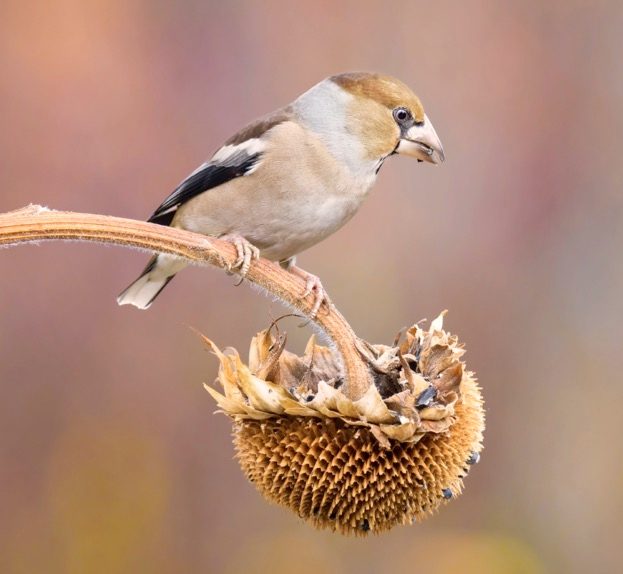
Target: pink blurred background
(110,457)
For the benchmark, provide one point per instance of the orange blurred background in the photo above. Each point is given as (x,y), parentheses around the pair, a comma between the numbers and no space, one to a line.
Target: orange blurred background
(110,457)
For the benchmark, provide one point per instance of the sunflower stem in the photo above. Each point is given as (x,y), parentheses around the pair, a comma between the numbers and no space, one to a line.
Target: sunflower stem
(35,223)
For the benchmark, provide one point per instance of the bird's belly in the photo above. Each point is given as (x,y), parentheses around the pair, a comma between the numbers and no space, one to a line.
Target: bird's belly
(293,227)
(281,225)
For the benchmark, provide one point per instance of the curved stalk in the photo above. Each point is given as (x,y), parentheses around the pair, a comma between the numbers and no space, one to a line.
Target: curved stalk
(35,224)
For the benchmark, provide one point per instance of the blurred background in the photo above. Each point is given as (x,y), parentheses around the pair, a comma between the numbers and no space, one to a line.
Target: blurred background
(110,457)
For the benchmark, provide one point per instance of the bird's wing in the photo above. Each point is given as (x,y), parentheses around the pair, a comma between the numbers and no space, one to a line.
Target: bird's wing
(240,155)
(207,176)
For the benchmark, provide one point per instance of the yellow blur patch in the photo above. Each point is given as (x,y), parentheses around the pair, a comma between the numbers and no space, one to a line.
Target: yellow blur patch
(108,491)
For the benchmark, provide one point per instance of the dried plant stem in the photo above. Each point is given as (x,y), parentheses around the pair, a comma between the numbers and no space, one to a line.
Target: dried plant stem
(35,223)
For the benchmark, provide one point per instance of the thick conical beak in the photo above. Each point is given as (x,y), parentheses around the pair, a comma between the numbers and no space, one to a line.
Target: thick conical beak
(421,141)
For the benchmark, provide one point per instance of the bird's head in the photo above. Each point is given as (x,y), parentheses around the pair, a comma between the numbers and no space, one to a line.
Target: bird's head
(388,117)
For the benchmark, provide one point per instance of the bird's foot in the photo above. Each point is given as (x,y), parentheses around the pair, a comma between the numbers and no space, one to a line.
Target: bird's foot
(313,286)
(245,253)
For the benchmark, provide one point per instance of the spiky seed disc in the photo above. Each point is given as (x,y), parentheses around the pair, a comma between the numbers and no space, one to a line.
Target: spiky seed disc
(339,476)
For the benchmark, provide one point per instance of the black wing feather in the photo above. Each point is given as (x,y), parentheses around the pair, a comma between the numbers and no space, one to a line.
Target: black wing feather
(209,177)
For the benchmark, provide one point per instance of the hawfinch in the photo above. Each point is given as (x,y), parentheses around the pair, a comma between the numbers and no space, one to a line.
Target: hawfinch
(293,177)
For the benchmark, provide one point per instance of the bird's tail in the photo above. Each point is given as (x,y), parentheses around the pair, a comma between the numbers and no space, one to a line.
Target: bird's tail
(154,278)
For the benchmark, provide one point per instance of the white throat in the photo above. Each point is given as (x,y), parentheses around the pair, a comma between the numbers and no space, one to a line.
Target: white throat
(322,109)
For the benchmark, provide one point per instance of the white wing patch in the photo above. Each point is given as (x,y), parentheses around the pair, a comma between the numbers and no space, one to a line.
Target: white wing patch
(249,147)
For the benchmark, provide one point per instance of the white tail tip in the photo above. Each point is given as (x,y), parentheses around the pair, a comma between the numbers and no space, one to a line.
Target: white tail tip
(142,292)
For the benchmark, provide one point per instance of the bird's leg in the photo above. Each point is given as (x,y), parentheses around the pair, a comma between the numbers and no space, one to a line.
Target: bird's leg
(246,252)
(312,285)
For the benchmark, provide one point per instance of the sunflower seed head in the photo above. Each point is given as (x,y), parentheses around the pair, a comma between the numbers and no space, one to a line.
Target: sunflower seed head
(391,457)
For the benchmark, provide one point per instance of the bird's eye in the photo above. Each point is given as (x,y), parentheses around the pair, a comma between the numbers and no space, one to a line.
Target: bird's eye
(401,115)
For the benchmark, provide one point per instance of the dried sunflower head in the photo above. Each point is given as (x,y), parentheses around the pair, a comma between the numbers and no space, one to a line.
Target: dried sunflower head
(390,457)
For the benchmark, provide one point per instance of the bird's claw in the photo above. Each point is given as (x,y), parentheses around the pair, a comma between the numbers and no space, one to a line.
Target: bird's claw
(313,286)
(245,253)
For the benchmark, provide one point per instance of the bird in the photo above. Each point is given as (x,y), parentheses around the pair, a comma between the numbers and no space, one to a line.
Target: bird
(293,177)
